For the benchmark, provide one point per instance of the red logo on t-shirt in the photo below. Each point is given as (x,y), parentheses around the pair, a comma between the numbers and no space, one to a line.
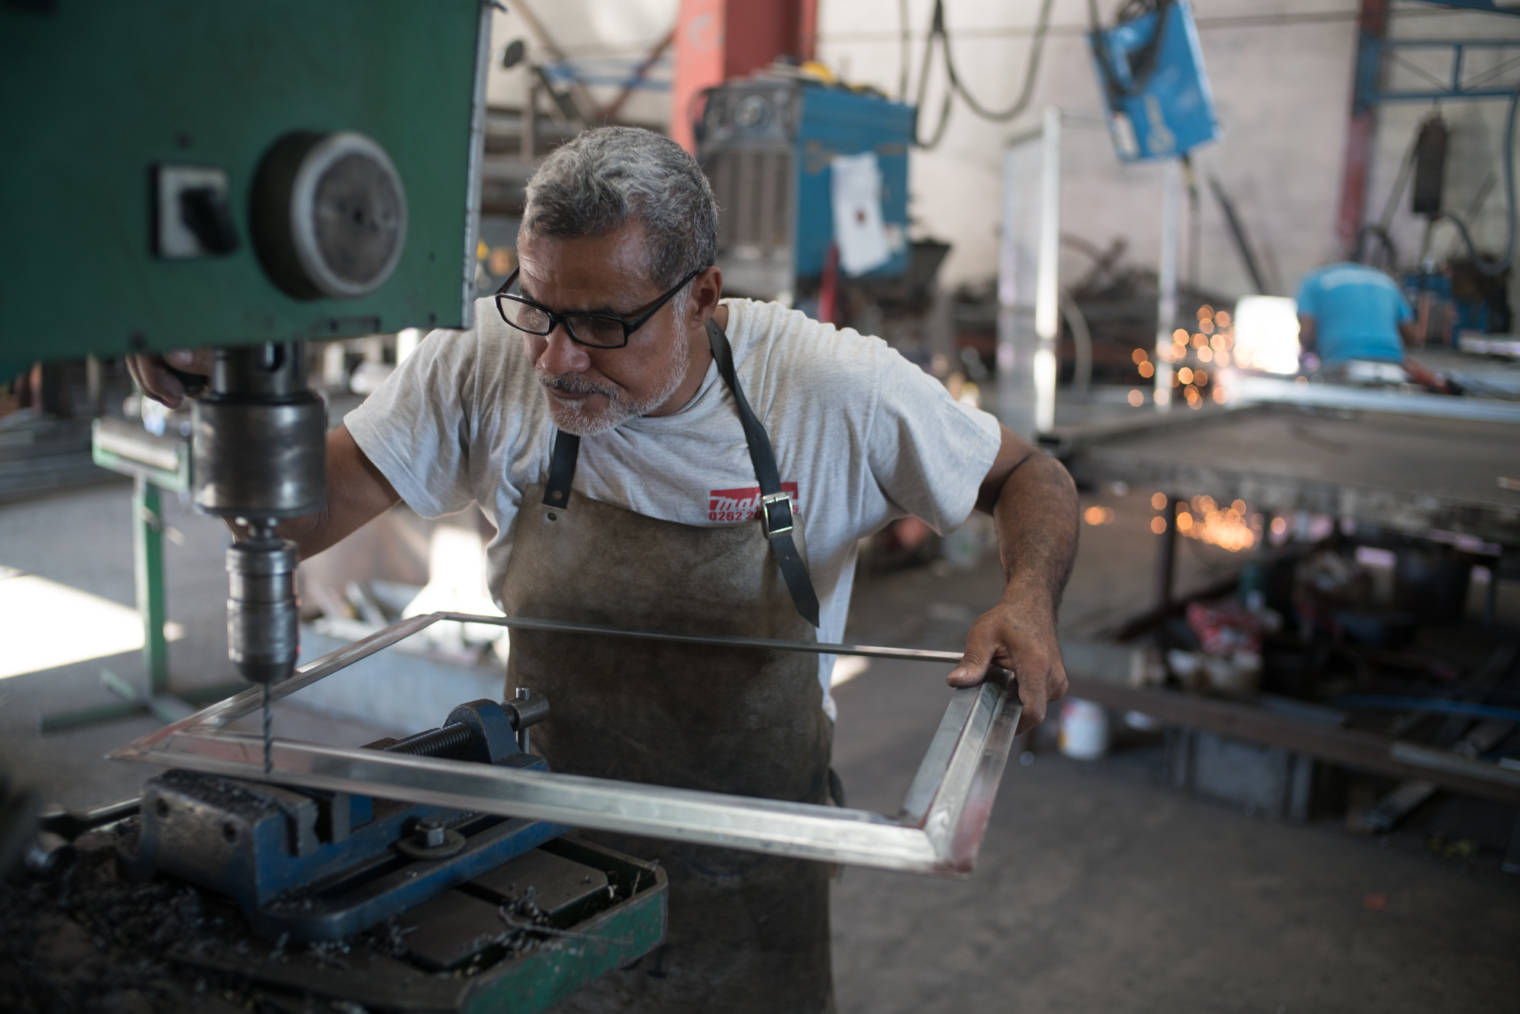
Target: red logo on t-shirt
(744,504)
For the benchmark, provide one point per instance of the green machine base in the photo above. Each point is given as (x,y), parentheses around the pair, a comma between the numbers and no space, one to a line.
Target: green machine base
(517,939)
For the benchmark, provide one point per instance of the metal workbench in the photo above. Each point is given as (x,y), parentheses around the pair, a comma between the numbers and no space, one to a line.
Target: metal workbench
(1419,465)
(1409,472)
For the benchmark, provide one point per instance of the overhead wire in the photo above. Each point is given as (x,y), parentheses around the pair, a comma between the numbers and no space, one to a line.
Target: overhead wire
(955,86)
(1031,69)
(1145,57)
(946,100)
(904,53)
(1276,20)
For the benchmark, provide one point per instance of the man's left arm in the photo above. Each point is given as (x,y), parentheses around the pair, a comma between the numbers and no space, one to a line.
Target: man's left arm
(1308,335)
(1033,502)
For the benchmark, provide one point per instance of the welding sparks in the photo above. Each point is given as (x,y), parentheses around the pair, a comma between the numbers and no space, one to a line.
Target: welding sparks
(1213,344)
(1233,528)
(1098,515)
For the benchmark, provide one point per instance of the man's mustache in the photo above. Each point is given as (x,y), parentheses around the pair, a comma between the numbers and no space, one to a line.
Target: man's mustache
(568,384)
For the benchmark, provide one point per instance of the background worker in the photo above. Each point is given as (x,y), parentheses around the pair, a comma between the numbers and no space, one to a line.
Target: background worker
(623,428)
(1350,313)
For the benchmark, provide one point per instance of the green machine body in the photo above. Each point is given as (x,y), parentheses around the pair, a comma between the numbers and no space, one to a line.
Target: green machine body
(177,173)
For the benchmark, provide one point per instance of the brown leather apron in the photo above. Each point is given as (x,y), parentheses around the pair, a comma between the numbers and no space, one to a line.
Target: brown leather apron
(746,932)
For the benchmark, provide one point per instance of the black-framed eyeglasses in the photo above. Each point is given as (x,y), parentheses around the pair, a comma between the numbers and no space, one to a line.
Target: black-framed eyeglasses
(597,330)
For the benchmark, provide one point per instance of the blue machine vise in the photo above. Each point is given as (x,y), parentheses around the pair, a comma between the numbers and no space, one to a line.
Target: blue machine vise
(1150,71)
(319,865)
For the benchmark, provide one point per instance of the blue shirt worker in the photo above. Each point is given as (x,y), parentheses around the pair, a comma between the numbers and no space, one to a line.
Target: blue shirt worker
(1350,313)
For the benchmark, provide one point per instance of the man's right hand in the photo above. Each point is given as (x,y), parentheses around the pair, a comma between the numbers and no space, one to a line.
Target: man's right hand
(172,377)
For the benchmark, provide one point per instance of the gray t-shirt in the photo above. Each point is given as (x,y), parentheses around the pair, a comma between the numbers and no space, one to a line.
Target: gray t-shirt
(861,437)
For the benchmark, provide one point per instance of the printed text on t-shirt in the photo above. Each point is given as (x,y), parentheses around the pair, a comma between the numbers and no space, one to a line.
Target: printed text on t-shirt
(743,504)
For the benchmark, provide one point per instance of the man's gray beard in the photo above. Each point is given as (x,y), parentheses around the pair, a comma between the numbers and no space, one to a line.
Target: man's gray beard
(573,417)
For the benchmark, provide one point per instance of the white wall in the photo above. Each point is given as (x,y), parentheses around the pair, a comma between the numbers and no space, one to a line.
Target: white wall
(1281,75)
(605,37)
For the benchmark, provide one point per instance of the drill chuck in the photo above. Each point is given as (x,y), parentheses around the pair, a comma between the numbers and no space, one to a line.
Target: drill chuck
(263,615)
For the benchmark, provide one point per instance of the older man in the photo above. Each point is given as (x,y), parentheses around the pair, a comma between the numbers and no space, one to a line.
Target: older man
(652,456)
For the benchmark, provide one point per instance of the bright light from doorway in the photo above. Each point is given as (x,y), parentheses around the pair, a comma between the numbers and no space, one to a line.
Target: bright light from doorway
(1266,334)
(846,668)
(53,624)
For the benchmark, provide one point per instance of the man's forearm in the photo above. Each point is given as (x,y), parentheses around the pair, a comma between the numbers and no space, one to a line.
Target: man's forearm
(311,533)
(1308,335)
(1036,521)
(356,493)
(1034,508)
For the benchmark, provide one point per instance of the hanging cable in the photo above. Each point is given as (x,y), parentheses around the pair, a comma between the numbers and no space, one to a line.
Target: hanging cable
(902,50)
(1390,249)
(936,27)
(1031,68)
(1143,61)
(1195,219)
(939,33)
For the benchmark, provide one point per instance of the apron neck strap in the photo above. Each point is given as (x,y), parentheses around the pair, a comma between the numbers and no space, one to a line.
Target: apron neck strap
(775,504)
(562,460)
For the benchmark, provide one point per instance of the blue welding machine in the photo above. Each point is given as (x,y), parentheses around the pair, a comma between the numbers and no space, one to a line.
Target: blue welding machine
(1150,71)
(768,146)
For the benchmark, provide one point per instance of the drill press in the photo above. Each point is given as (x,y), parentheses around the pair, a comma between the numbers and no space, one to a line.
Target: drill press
(279,173)
(341,200)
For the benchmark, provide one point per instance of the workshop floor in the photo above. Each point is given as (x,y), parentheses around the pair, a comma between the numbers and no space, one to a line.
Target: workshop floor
(1099,887)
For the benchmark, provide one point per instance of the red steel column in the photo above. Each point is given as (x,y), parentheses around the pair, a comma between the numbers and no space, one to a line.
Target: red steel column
(721,39)
(1372,23)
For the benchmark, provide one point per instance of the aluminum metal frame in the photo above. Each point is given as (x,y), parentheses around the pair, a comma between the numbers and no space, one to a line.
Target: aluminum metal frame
(943,817)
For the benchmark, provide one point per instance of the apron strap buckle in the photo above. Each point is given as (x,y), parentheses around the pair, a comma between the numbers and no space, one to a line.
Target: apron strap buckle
(776,513)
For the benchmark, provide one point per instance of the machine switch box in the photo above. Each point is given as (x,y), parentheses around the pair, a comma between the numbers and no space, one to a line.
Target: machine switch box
(191,214)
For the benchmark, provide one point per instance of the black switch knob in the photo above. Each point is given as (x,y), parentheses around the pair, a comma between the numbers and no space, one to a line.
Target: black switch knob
(205,212)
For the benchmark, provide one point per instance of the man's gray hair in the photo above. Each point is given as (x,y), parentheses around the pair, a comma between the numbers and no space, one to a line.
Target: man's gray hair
(608,176)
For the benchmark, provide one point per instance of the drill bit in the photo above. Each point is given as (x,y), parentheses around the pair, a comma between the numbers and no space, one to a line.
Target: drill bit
(267,738)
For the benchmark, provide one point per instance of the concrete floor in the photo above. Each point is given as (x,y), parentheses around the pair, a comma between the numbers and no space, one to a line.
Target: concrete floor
(1099,887)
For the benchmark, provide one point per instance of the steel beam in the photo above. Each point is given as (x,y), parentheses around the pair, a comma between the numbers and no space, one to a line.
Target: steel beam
(1372,28)
(1374,51)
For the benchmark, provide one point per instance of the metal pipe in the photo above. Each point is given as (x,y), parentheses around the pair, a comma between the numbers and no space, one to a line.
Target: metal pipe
(1047,300)
(1166,558)
(233,708)
(812,647)
(1166,279)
